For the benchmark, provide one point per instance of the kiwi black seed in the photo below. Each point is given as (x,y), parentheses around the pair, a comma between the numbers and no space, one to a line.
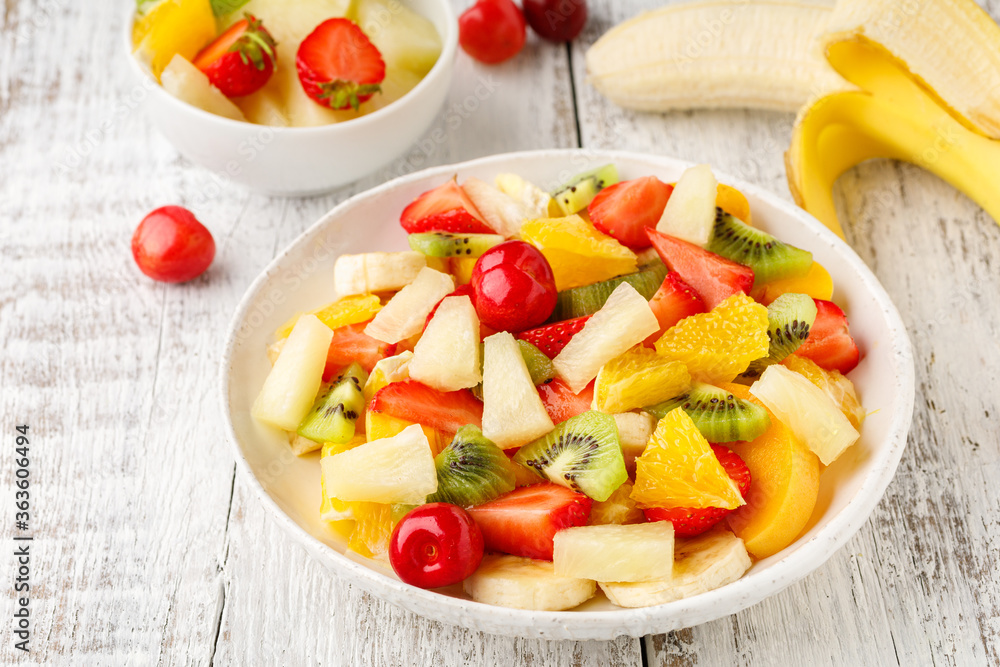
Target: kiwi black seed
(337,408)
(719,416)
(582,453)
(443,244)
(588,299)
(769,258)
(580,190)
(471,470)
(789,319)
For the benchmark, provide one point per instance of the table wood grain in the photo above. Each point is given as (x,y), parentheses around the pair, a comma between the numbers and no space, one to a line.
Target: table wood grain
(150,549)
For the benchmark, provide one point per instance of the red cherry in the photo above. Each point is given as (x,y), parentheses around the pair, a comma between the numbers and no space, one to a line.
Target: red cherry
(170,245)
(492,31)
(514,287)
(556,20)
(435,545)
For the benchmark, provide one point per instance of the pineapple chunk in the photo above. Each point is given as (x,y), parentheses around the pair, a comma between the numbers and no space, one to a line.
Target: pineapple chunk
(386,371)
(447,355)
(502,212)
(291,386)
(690,211)
(406,40)
(189,84)
(611,552)
(406,312)
(513,413)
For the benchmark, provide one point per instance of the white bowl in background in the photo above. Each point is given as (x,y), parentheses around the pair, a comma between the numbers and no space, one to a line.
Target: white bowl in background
(302,161)
(301,279)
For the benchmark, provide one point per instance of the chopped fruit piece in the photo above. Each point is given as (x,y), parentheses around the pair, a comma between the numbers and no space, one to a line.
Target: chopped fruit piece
(540,367)
(719,345)
(552,338)
(577,194)
(829,343)
(625,209)
(718,414)
(837,387)
(582,453)
(634,431)
(178,27)
(638,378)
(386,371)
(560,401)
(514,287)
(443,244)
(241,60)
(679,469)
(372,528)
(332,509)
(351,344)
(294,380)
(379,425)
(526,583)
(349,310)
(811,414)
(512,411)
(578,253)
(524,521)
(462,268)
(588,299)
(376,271)
(409,43)
(538,201)
(690,521)
(492,31)
(714,278)
(447,355)
(624,320)
(769,258)
(446,208)
(733,202)
(690,213)
(406,312)
(501,211)
(611,552)
(399,469)
(435,545)
(701,564)
(816,282)
(338,66)
(472,470)
(415,402)
(619,508)
(674,301)
(189,84)
(785,487)
(337,409)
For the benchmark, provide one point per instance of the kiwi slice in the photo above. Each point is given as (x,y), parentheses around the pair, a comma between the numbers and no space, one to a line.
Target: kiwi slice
(337,408)
(540,367)
(582,453)
(789,319)
(720,416)
(443,244)
(769,258)
(471,470)
(577,194)
(588,299)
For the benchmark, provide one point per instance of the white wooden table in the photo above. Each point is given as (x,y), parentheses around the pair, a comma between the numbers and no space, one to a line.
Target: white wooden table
(148,547)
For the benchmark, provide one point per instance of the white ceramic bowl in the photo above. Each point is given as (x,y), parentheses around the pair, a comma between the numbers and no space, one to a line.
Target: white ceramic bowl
(305,160)
(301,278)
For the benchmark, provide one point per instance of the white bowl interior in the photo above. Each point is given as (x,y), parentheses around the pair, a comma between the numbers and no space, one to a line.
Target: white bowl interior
(302,278)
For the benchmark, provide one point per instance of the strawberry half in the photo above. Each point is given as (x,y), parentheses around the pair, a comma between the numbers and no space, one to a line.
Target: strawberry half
(525,521)
(552,338)
(446,208)
(349,344)
(560,401)
(416,402)
(829,343)
(338,65)
(691,521)
(240,60)
(714,278)
(625,209)
(674,301)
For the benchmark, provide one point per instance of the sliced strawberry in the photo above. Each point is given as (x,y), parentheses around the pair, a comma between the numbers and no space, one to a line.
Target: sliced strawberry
(240,60)
(524,521)
(446,208)
(829,343)
(338,65)
(552,338)
(690,521)
(560,401)
(674,301)
(714,278)
(625,209)
(416,402)
(349,344)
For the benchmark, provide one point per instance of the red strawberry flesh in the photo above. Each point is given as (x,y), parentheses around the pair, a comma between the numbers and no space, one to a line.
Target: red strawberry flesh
(552,338)
(338,65)
(625,209)
(714,278)
(561,403)
(350,343)
(446,208)
(829,343)
(674,301)
(416,402)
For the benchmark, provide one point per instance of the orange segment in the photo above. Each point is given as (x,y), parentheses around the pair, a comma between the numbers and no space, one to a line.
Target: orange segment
(733,202)
(172,27)
(719,345)
(340,313)
(379,425)
(638,378)
(372,528)
(578,253)
(816,282)
(334,509)
(679,469)
(461,268)
(834,384)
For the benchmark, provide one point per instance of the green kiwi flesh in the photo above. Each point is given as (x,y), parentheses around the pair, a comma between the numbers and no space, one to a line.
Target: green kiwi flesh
(719,416)
(443,244)
(337,408)
(582,453)
(789,319)
(769,258)
(588,299)
(577,194)
(471,470)
(540,367)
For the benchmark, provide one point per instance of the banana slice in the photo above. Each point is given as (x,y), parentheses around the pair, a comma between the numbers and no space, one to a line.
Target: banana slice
(539,202)
(525,583)
(376,271)
(701,564)
(634,429)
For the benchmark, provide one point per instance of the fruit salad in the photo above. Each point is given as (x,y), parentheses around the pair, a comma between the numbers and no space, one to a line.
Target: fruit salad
(621,386)
(285,63)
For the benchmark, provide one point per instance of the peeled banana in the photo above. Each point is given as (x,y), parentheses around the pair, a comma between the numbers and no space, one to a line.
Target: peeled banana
(525,583)
(376,271)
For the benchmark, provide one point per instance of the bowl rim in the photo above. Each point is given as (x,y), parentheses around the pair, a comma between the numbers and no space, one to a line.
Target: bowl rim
(441,68)
(637,622)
